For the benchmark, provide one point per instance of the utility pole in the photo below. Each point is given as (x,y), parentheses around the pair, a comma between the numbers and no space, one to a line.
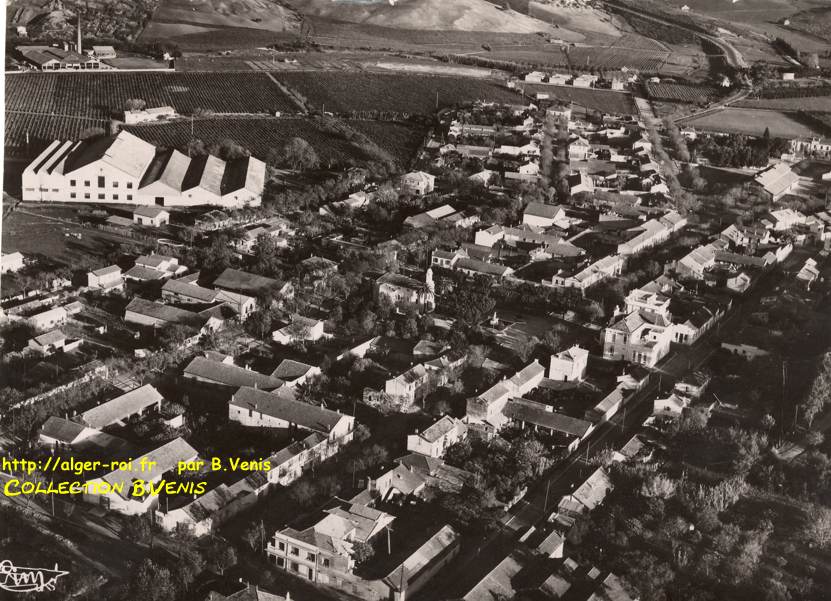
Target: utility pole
(547,487)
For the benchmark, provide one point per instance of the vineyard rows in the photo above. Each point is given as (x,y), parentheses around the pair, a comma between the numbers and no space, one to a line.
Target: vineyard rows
(43,129)
(678,92)
(584,58)
(102,95)
(261,135)
(341,92)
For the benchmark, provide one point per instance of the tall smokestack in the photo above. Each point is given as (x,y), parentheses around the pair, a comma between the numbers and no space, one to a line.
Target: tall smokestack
(80,47)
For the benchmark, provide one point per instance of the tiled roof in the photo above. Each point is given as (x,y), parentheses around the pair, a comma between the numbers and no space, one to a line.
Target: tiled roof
(305,415)
(230,375)
(121,407)
(61,429)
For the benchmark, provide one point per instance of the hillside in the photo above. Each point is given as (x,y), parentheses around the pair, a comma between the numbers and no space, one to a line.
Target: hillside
(458,15)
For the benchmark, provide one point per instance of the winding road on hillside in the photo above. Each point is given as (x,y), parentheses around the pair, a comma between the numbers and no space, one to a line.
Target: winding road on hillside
(731,55)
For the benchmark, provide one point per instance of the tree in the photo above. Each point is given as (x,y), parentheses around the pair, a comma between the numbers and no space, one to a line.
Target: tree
(255,536)
(362,552)
(173,336)
(137,529)
(299,155)
(134,104)
(220,555)
(814,438)
(151,582)
(302,492)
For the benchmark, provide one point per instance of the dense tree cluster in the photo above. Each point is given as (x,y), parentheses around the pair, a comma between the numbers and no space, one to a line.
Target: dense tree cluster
(736,150)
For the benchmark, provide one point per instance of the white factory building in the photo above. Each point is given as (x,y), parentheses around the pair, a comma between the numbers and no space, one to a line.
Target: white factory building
(127,170)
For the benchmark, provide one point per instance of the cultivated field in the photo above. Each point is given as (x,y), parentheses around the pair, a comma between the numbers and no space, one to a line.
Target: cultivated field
(811,103)
(753,122)
(102,95)
(28,134)
(343,92)
(606,101)
(815,22)
(676,92)
(615,58)
(330,140)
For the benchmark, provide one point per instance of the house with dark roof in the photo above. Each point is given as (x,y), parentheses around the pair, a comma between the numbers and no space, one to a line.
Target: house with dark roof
(278,409)
(243,282)
(251,592)
(143,312)
(542,419)
(295,373)
(58,432)
(221,373)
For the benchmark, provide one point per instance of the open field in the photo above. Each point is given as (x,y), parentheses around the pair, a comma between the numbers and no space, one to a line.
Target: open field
(746,11)
(606,101)
(37,233)
(255,14)
(811,103)
(753,122)
(260,135)
(101,95)
(343,92)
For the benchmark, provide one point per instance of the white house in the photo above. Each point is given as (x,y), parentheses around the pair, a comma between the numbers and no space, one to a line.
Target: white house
(49,319)
(106,280)
(434,440)
(418,182)
(402,289)
(569,365)
(301,328)
(544,215)
(151,216)
(638,337)
(129,491)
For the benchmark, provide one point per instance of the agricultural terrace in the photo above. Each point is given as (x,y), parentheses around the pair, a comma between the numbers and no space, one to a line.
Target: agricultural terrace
(333,141)
(678,92)
(606,101)
(753,122)
(43,129)
(101,95)
(342,92)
